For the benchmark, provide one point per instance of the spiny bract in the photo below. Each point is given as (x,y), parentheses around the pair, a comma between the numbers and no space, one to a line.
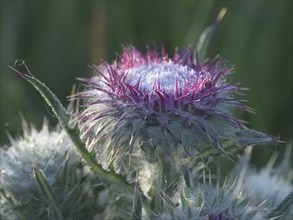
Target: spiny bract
(205,202)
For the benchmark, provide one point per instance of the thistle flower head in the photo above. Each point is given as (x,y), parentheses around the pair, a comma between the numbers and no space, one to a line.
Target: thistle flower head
(160,104)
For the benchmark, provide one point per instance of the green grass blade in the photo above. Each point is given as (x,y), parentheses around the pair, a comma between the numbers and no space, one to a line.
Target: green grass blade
(206,36)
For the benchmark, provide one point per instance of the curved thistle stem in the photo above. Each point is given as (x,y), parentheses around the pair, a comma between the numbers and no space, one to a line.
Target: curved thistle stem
(73,132)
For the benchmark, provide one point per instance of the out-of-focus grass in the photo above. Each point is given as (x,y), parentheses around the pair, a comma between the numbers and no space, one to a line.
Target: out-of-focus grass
(59,39)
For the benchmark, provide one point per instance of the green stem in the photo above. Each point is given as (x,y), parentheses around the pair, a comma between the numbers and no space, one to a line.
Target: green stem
(73,132)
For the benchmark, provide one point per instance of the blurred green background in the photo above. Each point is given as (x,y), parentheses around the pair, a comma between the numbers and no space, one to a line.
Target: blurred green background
(59,39)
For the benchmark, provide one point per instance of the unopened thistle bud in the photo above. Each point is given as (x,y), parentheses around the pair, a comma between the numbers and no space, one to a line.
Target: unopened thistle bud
(211,203)
(74,190)
(271,184)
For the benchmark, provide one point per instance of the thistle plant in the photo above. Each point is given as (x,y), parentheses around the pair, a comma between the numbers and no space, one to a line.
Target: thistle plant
(147,130)
(160,109)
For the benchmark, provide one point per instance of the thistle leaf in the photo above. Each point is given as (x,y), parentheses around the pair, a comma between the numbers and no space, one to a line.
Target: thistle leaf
(73,132)
(137,204)
(248,137)
(186,176)
(48,192)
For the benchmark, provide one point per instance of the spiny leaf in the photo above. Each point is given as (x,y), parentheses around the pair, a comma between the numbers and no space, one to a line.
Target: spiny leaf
(248,137)
(73,132)
(137,204)
(186,176)
(48,191)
